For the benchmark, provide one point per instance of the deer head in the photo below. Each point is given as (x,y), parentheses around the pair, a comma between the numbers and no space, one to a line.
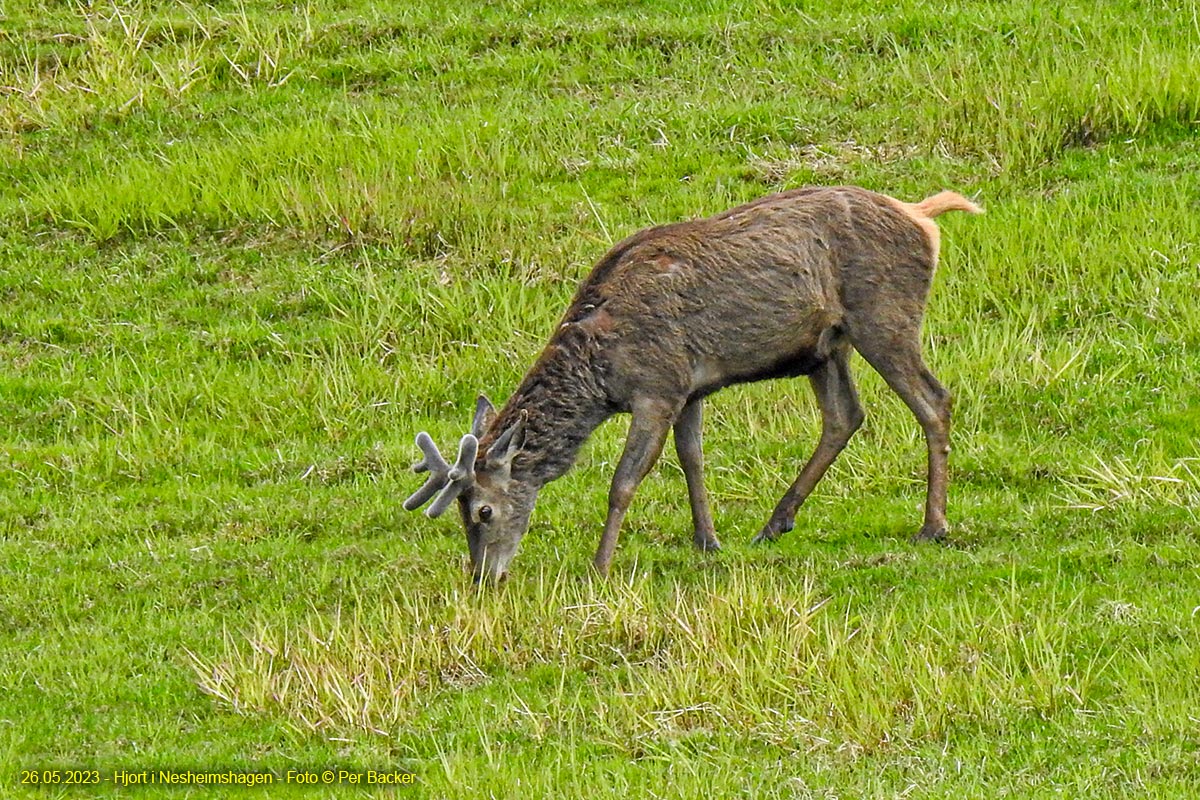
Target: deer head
(495,508)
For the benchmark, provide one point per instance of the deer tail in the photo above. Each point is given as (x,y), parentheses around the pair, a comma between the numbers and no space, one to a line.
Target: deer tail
(944,201)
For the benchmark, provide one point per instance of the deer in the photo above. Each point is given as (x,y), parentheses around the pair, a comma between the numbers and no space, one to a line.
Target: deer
(781,287)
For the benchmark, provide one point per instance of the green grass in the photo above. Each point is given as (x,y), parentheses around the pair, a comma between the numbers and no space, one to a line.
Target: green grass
(247,250)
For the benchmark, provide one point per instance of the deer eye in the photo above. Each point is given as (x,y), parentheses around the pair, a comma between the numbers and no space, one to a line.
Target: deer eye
(485,513)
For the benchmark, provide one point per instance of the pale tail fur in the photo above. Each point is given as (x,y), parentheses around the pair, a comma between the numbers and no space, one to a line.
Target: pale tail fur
(945,201)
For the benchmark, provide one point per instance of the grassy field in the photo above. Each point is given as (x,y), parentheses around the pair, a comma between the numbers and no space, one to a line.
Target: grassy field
(248,249)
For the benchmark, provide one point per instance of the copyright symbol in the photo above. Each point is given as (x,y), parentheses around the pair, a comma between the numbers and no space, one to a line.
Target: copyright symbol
(327,776)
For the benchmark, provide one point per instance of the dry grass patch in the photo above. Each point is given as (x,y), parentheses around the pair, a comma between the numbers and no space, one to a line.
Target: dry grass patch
(752,651)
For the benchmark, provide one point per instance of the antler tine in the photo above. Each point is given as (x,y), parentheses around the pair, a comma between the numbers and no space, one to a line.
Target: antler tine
(461,476)
(435,465)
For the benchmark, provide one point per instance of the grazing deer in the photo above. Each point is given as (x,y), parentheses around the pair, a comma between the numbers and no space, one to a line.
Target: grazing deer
(780,287)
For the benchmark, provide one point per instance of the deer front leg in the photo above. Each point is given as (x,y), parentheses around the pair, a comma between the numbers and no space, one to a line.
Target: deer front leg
(647,433)
(689,447)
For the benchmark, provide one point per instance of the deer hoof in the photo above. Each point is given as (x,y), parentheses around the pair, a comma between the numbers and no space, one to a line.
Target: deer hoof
(772,531)
(706,544)
(930,533)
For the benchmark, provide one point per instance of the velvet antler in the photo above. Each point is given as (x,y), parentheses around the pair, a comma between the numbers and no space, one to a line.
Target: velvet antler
(445,481)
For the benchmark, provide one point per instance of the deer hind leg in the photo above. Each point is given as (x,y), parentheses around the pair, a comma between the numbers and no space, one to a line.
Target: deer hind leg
(841,416)
(647,433)
(898,360)
(688,445)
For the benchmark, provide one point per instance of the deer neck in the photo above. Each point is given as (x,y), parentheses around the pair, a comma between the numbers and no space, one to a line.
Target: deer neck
(564,401)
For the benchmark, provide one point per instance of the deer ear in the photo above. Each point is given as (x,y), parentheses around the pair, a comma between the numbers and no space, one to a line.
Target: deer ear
(485,412)
(507,444)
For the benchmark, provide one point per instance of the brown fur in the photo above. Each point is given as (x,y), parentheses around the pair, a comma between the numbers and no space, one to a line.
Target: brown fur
(779,287)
